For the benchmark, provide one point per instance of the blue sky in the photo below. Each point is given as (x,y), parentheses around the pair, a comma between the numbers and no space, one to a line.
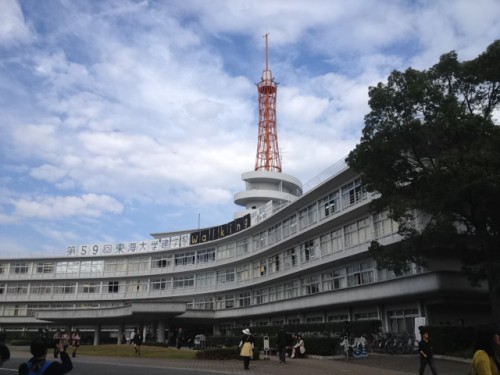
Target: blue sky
(124,118)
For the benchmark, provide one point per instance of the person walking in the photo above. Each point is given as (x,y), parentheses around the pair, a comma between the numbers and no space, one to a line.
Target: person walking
(75,342)
(179,338)
(138,342)
(39,363)
(57,339)
(283,341)
(486,349)
(426,354)
(247,345)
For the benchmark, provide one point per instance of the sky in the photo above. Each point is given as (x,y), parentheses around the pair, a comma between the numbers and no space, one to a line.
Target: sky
(123,118)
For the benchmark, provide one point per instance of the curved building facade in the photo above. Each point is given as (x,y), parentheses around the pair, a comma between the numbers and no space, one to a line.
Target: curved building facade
(299,258)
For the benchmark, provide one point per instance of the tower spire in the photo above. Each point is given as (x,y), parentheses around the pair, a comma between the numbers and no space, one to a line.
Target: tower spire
(268,157)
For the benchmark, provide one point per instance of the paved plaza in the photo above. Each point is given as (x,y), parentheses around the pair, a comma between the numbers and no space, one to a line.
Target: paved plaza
(375,364)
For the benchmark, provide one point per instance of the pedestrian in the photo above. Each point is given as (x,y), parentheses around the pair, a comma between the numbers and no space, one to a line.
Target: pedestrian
(38,363)
(138,342)
(3,336)
(283,341)
(65,337)
(426,354)
(486,349)
(179,338)
(4,354)
(75,342)
(57,339)
(247,344)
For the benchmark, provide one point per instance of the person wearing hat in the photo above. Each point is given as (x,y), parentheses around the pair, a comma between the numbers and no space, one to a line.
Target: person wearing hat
(247,345)
(425,350)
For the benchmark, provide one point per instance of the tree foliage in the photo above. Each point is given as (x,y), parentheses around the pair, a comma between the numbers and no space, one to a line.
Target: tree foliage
(431,146)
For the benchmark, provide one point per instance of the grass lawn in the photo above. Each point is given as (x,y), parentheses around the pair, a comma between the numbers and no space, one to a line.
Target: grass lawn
(128,351)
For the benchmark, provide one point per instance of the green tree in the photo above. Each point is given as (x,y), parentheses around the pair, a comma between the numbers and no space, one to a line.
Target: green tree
(431,148)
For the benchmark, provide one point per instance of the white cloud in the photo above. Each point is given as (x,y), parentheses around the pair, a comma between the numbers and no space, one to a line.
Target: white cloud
(13,29)
(53,207)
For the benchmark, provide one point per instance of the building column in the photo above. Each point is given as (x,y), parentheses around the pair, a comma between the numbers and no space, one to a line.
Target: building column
(121,330)
(160,336)
(97,331)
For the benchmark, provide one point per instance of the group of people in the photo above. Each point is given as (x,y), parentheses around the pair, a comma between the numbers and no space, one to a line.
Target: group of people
(294,345)
(65,338)
(486,359)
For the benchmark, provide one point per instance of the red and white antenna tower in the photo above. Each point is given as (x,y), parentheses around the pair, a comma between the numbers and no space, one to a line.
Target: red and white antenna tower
(268,156)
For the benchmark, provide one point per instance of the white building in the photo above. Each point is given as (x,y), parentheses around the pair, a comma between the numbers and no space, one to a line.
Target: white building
(295,254)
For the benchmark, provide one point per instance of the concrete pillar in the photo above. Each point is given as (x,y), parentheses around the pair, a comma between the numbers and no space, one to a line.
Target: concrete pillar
(144,331)
(160,336)
(97,331)
(121,330)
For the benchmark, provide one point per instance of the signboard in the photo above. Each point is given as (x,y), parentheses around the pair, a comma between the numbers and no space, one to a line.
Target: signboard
(266,343)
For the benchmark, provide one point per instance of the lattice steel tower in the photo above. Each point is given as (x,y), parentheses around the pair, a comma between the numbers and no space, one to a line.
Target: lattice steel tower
(268,155)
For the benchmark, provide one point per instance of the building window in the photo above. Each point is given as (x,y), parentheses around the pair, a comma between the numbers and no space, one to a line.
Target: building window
(93,266)
(45,267)
(64,288)
(158,284)
(333,280)
(243,272)
(161,261)
(205,256)
(181,282)
(290,226)
(274,263)
(310,285)
(274,234)
(90,287)
(259,269)
(113,286)
(276,293)
(17,288)
(204,280)
(314,319)
(114,266)
(260,296)
(137,265)
(244,299)
(338,318)
(260,240)
(292,289)
(3,267)
(242,247)
(383,225)
(68,267)
(42,288)
(329,205)
(307,252)
(225,276)
(370,315)
(184,259)
(137,286)
(19,268)
(226,251)
(203,304)
(402,320)
(360,274)
(225,302)
(352,193)
(290,258)
(308,216)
